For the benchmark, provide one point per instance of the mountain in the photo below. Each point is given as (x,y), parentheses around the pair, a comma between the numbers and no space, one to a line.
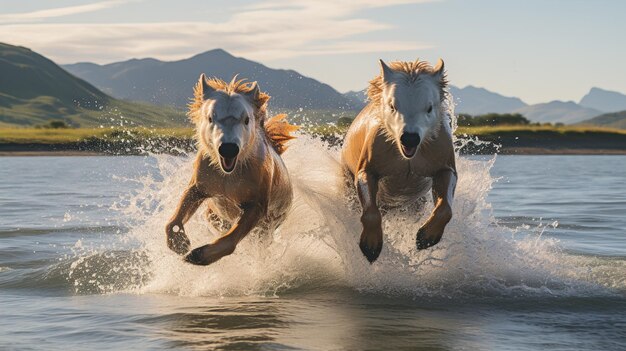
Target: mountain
(478,101)
(357,98)
(609,120)
(604,100)
(34,90)
(557,112)
(171,83)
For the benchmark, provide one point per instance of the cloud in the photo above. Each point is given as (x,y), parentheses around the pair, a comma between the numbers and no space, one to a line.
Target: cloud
(272,29)
(59,12)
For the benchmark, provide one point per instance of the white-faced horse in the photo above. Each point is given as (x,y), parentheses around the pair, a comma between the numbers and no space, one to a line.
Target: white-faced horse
(399,147)
(238,169)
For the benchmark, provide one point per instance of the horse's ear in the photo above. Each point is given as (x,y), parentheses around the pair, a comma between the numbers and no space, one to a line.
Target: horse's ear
(206,89)
(386,72)
(254,92)
(439,71)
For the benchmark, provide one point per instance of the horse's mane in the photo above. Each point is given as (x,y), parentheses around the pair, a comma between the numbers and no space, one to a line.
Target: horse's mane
(234,86)
(411,70)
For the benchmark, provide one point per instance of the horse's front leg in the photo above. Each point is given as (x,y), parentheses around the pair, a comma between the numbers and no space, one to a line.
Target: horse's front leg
(177,239)
(444,183)
(371,242)
(224,246)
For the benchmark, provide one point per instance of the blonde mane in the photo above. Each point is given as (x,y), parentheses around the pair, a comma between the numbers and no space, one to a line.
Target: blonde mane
(234,86)
(276,130)
(412,71)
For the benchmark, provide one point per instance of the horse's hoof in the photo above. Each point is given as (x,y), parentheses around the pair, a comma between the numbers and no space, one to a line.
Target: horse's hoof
(180,249)
(371,253)
(196,257)
(177,240)
(422,242)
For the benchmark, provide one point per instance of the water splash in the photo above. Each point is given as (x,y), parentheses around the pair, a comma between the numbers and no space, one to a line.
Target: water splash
(316,248)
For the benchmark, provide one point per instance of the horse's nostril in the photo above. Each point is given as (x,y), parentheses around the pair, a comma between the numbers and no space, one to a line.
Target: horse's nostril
(410,139)
(228,150)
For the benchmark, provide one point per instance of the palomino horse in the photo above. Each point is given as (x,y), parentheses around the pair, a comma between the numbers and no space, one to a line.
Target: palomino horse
(238,168)
(399,147)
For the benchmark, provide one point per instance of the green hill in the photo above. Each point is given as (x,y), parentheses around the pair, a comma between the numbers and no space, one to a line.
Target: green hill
(35,90)
(609,120)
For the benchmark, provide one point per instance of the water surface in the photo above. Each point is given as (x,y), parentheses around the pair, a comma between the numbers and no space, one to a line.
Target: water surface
(534,258)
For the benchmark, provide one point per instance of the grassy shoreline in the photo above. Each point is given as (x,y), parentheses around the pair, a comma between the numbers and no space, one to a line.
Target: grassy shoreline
(130,141)
(95,141)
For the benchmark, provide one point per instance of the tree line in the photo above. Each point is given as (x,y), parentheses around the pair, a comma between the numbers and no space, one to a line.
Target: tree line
(491,119)
(496,119)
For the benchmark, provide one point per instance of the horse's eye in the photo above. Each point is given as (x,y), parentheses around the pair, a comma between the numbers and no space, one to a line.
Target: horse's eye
(247,120)
(430,108)
(210,119)
(392,107)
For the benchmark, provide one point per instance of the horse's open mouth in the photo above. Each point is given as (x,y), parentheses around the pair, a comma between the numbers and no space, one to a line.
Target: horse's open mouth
(228,163)
(408,151)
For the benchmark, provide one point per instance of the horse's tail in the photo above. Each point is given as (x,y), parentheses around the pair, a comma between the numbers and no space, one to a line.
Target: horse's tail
(278,131)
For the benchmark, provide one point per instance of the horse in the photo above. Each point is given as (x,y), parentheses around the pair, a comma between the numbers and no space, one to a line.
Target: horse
(399,147)
(238,169)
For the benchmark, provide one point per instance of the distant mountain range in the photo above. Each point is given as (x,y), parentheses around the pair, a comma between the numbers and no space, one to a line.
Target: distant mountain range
(357,98)
(566,112)
(596,103)
(478,101)
(171,83)
(604,100)
(34,90)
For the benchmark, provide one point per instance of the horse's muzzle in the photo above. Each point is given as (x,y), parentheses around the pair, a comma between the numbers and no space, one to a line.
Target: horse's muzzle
(228,150)
(409,143)
(228,156)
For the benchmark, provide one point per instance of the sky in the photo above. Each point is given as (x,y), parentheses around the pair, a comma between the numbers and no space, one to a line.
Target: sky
(537,50)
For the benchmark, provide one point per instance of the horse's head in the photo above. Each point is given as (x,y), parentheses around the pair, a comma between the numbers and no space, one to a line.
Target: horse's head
(410,96)
(226,117)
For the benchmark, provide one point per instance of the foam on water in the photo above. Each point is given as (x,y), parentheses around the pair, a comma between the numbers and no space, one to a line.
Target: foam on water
(316,248)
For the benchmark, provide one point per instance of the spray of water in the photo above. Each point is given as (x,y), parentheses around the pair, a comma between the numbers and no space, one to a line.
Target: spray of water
(316,248)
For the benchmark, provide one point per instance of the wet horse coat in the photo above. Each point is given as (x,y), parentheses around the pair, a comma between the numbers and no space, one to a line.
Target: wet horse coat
(238,169)
(399,147)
